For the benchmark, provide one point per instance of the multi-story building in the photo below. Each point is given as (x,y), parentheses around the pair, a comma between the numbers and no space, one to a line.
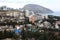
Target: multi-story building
(19,15)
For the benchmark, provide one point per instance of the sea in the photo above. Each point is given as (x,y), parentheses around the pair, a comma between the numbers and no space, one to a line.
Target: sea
(54,14)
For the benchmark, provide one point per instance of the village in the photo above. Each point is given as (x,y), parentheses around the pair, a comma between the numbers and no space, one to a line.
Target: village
(25,25)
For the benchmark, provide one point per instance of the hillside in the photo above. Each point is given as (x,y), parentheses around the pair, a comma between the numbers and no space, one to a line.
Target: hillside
(37,8)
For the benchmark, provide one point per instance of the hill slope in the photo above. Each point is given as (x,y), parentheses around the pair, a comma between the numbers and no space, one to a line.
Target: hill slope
(37,8)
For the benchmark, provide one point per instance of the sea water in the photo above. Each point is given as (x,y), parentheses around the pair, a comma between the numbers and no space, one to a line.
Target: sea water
(54,14)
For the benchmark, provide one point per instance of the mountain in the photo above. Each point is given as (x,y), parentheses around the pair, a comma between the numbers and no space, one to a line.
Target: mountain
(31,7)
(37,8)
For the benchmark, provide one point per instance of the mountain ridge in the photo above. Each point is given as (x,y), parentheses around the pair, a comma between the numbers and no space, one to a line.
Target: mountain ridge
(37,8)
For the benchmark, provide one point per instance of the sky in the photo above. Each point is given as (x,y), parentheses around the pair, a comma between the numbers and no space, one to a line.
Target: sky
(51,4)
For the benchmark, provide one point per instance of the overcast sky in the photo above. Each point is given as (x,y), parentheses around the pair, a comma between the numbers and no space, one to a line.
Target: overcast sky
(51,4)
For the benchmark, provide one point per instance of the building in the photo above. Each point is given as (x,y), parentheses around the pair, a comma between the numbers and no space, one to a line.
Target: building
(17,14)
